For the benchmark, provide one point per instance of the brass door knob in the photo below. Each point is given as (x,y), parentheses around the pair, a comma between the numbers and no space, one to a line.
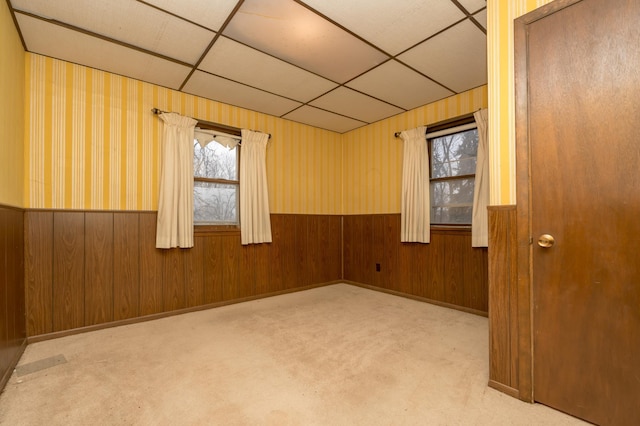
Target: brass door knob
(546,241)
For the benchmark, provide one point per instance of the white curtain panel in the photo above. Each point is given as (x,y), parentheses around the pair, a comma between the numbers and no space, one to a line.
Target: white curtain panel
(415,209)
(480,219)
(255,222)
(175,204)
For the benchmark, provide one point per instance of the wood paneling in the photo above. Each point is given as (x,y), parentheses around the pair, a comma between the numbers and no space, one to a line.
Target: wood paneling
(263,278)
(98,279)
(68,270)
(454,249)
(87,268)
(213,270)
(433,266)
(448,270)
(277,251)
(306,250)
(151,267)
(194,273)
(39,272)
(126,266)
(173,294)
(12,290)
(503,321)
(247,270)
(231,252)
(288,254)
(299,256)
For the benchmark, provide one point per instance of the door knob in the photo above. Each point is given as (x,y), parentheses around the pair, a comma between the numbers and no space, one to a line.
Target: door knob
(546,240)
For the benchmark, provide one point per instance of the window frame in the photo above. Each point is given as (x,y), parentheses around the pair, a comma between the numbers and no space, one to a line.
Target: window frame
(440,126)
(208,228)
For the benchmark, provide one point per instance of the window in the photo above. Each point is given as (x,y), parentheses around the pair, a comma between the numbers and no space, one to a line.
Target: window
(216,182)
(452,160)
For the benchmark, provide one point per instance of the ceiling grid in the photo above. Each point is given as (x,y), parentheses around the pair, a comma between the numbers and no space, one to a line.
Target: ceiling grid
(332,65)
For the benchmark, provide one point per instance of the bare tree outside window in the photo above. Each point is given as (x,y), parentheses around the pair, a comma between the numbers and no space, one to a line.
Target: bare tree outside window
(215,195)
(453,167)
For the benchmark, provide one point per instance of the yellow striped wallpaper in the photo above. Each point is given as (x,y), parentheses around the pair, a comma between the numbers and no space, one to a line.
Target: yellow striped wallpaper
(93,143)
(500,17)
(12,111)
(373,156)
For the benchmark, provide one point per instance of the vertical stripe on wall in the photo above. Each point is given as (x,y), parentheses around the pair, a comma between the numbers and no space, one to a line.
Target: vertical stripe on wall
(93,143)
(373,156)
(13,112)
(500,17)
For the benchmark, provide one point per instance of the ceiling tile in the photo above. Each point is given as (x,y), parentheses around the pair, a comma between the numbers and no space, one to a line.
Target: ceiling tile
(356,105)
(399,85)
(481,17)
(128,21)
(208,13)
(323,119)
(462,57)
(222,90)
(473,6)
(291,32)
(238,62)
(392,25)
(58,42)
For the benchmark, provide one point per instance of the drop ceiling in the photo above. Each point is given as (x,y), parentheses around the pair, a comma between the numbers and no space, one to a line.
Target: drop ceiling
(336,65)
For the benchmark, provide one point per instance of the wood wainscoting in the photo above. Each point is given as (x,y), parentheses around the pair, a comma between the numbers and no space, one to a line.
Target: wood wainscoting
(12,321)
(503,300)
(85,268)
(447,271)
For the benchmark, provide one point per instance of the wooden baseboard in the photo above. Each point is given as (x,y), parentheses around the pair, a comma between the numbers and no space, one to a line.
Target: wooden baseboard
(504,389)
(64,333)
(418,298)
(12,365)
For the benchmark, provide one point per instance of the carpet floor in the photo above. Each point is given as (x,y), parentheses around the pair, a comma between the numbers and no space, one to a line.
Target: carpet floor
(335,355)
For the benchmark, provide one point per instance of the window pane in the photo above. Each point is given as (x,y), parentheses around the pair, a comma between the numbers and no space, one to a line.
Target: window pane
(455,154)
(452,201)
(215,161)
(215,203)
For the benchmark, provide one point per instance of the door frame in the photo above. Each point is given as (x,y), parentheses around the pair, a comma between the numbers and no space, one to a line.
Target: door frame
(526,385)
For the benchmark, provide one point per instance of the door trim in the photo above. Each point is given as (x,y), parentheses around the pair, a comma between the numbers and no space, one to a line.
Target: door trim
(523,196)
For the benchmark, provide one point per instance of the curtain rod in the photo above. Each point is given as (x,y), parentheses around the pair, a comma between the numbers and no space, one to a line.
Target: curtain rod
(464,117)
(444,132)
(158,111)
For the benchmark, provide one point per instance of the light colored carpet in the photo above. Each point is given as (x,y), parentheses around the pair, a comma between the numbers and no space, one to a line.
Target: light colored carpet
(336,355)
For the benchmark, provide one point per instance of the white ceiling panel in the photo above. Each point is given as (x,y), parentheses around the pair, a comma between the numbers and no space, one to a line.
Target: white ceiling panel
(462,57)
(238,62)
(208,13)
(481,17)
(293,33)
(356,105)
(473,6)
(58,42)
(222,90)
(323,119)
(399,85)
(392,25)
(325,63)
(128,21)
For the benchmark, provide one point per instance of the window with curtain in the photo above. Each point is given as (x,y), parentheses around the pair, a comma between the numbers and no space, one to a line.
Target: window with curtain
(216,178)
(453,152)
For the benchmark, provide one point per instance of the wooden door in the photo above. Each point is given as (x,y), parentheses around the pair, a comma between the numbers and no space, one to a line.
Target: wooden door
(582,69)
